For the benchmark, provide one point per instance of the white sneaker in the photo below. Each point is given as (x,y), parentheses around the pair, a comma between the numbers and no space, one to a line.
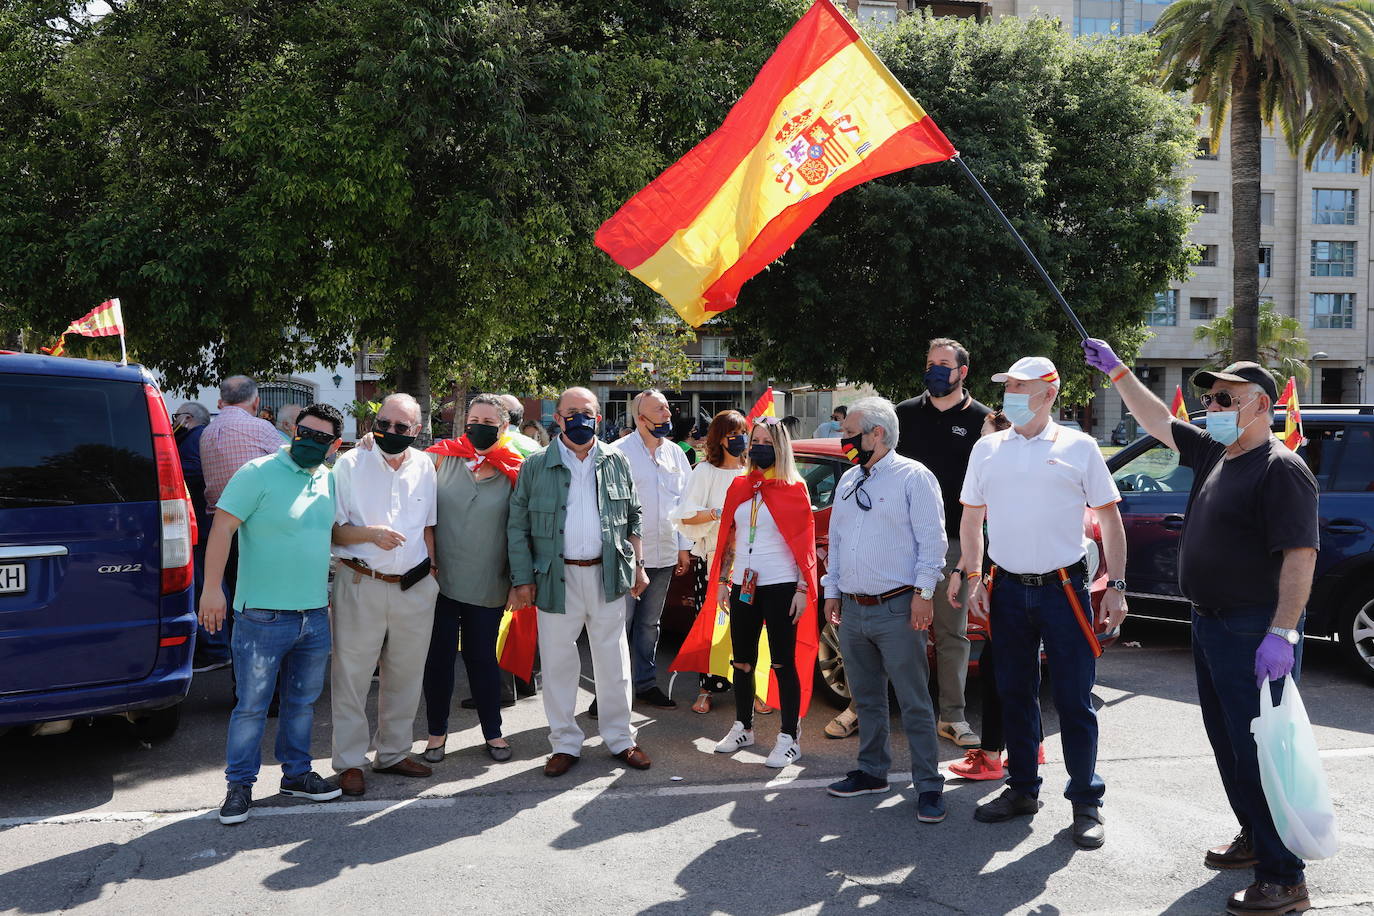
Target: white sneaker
(786,751)
(738,737)
(961,733)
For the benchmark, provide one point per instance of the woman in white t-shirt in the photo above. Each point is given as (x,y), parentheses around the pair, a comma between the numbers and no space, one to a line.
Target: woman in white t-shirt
(697,514)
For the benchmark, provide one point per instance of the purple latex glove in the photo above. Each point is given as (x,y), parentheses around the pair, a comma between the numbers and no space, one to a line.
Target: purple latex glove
(1099,355)
(1273,659)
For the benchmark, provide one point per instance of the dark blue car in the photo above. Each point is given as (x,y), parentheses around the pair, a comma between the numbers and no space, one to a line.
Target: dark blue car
(1340,452)
(96,533)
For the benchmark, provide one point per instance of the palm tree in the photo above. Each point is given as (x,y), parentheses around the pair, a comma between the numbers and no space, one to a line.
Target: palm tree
(1282,348)
(1269,60)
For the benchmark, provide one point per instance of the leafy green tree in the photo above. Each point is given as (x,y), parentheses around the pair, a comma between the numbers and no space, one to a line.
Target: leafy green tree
(1282,345)
(1080,151)
(1269,61)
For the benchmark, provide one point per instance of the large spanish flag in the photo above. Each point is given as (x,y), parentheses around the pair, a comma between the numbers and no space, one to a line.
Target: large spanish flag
(823,115)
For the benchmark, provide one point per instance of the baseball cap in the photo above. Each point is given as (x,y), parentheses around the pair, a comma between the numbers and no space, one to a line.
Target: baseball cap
(1240,372)
(1030,369)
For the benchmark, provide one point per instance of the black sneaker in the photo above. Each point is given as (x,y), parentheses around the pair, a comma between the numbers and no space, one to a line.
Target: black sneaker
(237,801)
(1006,806)
(203,663)
(311,786)
(857,783)
(656,698)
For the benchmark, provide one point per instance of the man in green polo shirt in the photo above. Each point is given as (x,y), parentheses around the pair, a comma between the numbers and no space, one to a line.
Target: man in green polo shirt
(282,506)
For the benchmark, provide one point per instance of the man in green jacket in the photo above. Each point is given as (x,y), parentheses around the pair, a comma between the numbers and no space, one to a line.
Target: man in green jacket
(575,552)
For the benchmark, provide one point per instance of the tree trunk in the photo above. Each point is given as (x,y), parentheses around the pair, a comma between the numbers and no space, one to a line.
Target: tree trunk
(1245,215)
(420,375)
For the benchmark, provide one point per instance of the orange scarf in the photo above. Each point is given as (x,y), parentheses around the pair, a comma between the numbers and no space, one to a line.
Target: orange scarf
(501,456)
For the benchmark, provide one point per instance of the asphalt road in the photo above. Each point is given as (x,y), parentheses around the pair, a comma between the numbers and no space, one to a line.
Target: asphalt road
(97,822)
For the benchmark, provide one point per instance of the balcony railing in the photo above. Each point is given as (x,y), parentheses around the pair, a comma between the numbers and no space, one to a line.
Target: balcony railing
(704,369)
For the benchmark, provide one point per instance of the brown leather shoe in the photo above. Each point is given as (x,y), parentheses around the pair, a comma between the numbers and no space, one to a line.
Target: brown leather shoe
(351,781)
(406,767)
(1237,854)
(635,757)
(1263,897)
(559,764)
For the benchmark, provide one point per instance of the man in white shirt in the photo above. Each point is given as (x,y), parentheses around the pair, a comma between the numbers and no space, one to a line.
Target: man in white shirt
(1031,483)
(384,594)
(887,550)
(660,471)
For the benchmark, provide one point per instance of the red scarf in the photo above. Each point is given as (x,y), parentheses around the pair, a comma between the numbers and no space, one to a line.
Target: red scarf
(790,506)
(501,456)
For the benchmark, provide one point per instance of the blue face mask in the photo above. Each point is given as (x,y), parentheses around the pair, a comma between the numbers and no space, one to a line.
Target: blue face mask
(1223,425)
(661,430)
(941,380)
(579,428)
(1017,408)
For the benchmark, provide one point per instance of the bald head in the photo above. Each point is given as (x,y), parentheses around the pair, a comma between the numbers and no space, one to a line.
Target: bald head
(237,391)
(579,397)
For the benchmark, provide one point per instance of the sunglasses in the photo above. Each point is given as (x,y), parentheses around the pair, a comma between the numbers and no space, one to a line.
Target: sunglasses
(385,426)
(767,421)
(314,435)
(861,497)
(1221,398)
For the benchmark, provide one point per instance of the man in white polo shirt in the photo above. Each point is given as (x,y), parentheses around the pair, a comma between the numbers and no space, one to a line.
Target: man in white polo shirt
(1030,483)
(384,594)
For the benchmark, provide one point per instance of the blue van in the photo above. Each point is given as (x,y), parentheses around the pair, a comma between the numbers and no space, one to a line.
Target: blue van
(96,532)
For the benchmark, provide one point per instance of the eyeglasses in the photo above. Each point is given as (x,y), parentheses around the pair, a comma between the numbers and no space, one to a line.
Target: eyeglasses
(383,426)
(861,497)
(315,435)
(1222,399)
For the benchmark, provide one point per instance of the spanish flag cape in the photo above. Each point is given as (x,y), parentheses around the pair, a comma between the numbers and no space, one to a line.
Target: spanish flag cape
(518,636)
(707,647)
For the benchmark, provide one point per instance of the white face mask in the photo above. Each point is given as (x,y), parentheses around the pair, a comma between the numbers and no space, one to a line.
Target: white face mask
(1222,425)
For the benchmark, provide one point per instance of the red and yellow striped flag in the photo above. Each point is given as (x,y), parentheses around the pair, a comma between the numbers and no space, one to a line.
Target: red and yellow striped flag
(1292,420)
(517,638)
(105,320)
(1179,408)
(823,115)
(765,406)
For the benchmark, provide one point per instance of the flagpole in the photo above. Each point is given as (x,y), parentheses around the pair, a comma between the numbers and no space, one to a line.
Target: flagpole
(123,353)
(1025,249)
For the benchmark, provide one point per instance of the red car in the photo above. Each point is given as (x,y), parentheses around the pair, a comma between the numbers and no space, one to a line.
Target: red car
(821,464)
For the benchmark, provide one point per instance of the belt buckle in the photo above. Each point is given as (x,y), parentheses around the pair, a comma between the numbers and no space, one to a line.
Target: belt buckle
(1035,580)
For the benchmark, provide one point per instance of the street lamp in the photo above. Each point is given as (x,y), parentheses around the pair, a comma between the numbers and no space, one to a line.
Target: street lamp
(338,380)
(1316,374)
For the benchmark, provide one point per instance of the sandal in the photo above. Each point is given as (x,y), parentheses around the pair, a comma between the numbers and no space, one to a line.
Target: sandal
(703,703)
(843,725)
(761,708)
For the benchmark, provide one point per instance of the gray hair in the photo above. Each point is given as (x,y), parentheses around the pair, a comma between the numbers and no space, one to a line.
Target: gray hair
(874,412)
(196,410)
(515,408)
(495,401)
(644,395)
(237,389)
(402,398)
(289,413)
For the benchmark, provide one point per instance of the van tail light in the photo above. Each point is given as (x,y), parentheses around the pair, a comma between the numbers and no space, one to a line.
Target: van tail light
(178,519)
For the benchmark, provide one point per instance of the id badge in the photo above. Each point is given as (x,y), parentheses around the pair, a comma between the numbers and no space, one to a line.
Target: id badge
(746,588)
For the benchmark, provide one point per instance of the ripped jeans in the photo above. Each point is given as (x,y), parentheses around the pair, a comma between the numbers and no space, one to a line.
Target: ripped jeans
(296,644)
(772,607)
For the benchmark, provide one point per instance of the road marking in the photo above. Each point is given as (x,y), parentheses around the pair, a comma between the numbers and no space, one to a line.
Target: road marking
(445,798)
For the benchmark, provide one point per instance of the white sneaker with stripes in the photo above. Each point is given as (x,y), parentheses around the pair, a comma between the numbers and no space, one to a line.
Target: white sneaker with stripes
(739,737)
(786,751)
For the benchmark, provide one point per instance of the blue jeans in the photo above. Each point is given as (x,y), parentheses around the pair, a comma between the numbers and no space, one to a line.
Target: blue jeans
(1224,654)
(1022,617)
(296,644)
(642,615)
(880,646)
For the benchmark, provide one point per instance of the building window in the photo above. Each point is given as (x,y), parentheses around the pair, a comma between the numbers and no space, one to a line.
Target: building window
(1266,208)
(1165,312)
(1333,310)
(1267,156)
(1328,161)
(1209,256)
(1207,200)
(1333,259)
(1204,149)
(1099,17)
(879,13)
(1333,207)
(1266,261)
(1202,309)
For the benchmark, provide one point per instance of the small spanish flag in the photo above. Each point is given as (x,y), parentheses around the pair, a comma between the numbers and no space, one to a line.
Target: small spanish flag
(1292,419)
(516,641)
(763,407)
(105,320)
(823,115)
(1179,408)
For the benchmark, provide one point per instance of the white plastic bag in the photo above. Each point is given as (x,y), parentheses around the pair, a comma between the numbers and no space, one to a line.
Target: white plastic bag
(1292,775)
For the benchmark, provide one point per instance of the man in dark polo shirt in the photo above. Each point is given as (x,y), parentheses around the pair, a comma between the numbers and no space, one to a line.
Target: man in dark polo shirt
(939,429)
(1246,556)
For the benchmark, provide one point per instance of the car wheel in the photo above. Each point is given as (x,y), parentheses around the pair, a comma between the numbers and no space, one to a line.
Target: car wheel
(831,683)
(158,725)
(1357,634)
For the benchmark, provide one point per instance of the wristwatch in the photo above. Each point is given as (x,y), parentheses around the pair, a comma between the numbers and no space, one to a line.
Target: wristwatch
(926,593)
(1292,637)
(1118,584)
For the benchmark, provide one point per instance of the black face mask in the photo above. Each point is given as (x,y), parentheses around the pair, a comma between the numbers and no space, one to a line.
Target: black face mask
(762,456)
(392,443)
(854,451)
(308,453)
(482,435)
(941,380)
(736,445)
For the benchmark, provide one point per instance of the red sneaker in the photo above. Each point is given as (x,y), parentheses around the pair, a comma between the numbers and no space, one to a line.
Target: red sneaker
(1040,757)
(978,764)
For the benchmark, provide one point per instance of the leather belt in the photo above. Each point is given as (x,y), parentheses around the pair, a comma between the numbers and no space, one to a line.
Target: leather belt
(1050,578)
(870,600)
(592,562)
(362,570)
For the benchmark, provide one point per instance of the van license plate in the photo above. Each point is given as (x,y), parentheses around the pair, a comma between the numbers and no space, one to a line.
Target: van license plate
(11,578)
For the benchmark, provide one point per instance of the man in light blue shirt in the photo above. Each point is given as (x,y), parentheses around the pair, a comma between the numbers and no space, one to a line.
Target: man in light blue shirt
(887,552)
(831,429)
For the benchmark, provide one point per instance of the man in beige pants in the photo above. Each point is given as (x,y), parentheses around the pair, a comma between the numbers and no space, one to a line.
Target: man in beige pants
(384,529)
